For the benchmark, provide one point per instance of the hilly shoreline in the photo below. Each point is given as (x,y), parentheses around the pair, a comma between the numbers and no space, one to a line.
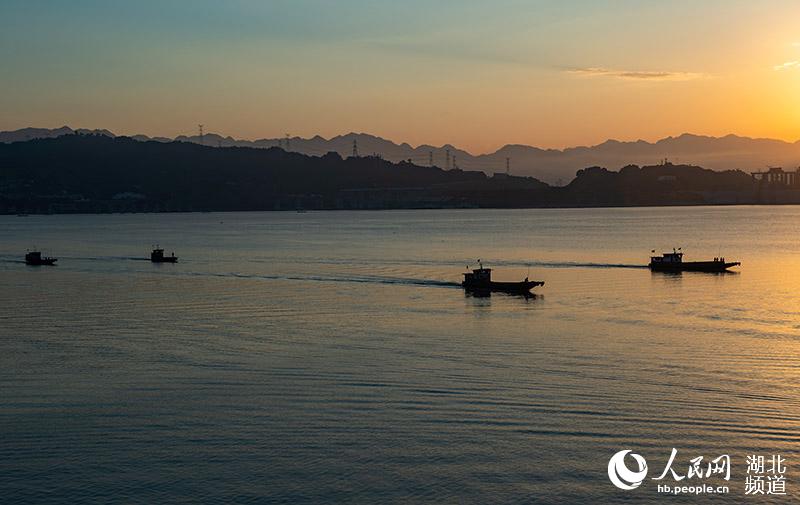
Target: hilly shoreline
(95,173)
(554,166)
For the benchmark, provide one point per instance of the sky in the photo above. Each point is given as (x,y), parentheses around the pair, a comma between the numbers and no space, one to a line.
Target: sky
(470,73)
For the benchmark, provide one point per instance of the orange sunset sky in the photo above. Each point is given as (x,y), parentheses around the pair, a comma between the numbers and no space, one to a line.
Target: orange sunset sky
(471,73)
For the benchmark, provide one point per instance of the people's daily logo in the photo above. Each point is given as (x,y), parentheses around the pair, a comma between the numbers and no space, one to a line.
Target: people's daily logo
(623,477)
(766,475)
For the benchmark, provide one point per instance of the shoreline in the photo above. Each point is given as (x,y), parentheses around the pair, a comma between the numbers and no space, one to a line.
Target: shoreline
(303,211)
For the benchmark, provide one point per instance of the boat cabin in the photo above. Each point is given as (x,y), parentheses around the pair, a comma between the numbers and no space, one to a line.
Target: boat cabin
(157,256)
(479,276)
(672,258)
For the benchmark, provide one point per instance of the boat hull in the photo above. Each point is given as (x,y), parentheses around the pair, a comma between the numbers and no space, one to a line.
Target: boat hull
(165,259)
(693,266)
(506,287)
(41,262)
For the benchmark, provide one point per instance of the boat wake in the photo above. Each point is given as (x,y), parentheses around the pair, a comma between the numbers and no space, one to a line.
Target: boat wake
(450,263)
(363,279)
(350,261)
(369,279)
(574,264)
(109,258)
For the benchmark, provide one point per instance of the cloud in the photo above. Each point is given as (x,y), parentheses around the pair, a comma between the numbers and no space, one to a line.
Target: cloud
(637,75)
(788,65)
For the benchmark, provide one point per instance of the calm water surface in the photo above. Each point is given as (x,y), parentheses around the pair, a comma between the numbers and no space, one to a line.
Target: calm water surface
(325,357)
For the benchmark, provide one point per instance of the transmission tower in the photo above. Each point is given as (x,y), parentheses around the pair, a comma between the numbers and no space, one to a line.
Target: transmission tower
(430,158)
(447,159)
(455,165)
(200,129)
(287,142)
(355,148)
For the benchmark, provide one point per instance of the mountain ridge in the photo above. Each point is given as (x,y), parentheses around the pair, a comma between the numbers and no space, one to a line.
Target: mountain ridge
(99,173)
(555,166)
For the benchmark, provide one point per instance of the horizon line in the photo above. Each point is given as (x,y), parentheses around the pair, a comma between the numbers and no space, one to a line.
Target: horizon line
(400,143)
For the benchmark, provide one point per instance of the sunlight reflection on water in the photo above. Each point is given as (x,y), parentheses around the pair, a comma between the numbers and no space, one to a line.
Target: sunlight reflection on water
(321,357)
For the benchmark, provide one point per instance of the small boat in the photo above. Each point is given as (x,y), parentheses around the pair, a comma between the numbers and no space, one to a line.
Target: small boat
(157,256)
(480,279)
(35,258)
(673,262)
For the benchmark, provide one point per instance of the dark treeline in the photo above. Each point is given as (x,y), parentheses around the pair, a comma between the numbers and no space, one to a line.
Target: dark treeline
(92,173)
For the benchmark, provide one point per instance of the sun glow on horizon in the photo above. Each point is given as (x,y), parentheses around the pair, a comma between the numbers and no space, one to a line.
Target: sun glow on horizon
(538,73)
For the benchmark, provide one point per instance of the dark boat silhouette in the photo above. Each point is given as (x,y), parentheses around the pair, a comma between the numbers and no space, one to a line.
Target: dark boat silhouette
(673,262)
(35,258)
(157,256)
(480,280)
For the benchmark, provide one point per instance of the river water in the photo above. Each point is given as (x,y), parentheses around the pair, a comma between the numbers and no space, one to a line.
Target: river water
(332,356)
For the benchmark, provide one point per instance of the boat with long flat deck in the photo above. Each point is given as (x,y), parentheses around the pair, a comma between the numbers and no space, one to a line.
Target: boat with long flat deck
(35,258)
(673,262)
(480,279)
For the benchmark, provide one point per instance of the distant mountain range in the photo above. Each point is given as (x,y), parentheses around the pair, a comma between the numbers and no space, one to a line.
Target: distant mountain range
(555,166)
(101,173)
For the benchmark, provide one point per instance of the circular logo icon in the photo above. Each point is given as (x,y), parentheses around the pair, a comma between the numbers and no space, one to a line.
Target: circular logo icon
(621,476)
